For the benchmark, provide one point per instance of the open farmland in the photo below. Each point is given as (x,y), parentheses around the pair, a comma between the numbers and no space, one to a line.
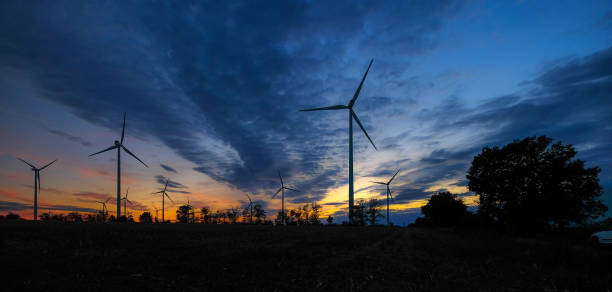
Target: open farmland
(41,256)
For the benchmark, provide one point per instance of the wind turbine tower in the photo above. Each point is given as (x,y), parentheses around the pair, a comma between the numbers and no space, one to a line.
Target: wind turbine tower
(282,191)
(119,145)
(352,116)
(36,183)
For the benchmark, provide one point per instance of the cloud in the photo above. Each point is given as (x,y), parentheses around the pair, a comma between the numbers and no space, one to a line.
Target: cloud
(14,206)
(71,137)
(168,168)
(92,195)
(228,84)
(172,184)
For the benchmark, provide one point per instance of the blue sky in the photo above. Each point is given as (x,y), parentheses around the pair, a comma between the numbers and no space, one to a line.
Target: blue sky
(212,93)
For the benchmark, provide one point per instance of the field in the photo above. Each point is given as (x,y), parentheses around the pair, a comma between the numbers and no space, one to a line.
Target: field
(88,256)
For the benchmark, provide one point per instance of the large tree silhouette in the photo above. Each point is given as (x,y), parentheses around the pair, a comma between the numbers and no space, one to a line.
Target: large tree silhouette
(529,184)
(445,209)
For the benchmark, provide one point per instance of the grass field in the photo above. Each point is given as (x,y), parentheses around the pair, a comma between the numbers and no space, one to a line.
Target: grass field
(56,256)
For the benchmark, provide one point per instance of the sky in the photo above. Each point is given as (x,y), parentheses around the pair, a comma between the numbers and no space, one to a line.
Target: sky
(212,92)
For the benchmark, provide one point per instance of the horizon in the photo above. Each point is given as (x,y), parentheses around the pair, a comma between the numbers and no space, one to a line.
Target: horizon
(213,91)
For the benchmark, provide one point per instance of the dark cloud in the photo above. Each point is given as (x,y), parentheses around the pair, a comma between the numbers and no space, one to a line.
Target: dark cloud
(92,195)
(171,184)
(220,83)
(71,137)
(168,168)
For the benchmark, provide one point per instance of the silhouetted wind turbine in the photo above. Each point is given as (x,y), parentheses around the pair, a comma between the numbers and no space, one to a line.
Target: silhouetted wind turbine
(104,209)
(36,183)
(352,116)
(164,194)
(119,145)
(388,192)
(282,190)
(125,201)
(250,207)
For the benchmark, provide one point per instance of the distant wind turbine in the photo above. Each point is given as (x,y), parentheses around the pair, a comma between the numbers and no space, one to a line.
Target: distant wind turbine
(125,201)
(352,116)
(164,195)
(388,192)
(36,183)
(282,191)
(119,145)
(104,209)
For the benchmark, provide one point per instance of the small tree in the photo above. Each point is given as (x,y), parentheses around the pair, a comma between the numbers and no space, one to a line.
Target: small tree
(444,209)
(314,214)
(145,217)
(330,219)
(372,211)
(205,214)
(259,213)
(74,217)
(183,212)
(359,213)
(12,216)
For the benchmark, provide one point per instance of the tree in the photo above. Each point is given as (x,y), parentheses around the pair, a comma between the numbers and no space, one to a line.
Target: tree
(330,219)
(12,216)
(205,211)
(372,211)
(444,209)
(145,217)
(528,184)
(314,214)
(183,213)
(359,213)
(74,217)
(259,213)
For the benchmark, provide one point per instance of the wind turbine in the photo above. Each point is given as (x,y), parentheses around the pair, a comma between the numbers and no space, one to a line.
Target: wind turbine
(125,201)
(282,191)
(164,195)
(119,145)
(250,207)
(36,183)
(352,116)
(104,209)
(388,192)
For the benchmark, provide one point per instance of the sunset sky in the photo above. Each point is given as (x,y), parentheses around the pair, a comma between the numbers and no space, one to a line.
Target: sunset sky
(213,90)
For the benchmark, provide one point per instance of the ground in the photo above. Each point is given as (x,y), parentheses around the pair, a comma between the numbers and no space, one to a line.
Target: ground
(180,257)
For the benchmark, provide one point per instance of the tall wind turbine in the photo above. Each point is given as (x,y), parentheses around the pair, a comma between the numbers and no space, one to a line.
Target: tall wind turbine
(352,116)
(119,145)
(36,183)
(388,192)
(282,191)
(164,195)
(125,201)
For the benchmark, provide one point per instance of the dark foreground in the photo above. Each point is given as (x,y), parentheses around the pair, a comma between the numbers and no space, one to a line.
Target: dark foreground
(176,257)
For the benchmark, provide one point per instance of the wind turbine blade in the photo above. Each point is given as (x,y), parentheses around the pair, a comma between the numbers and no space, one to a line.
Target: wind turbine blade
(393,176)
(249,198)
(126,192)
(123,129)
(281,178)
(168,197)
(377,182)
(352,102)
(362,128)
(129,201)
(48,164)
(279,190)
(109,148)
(107,200)
(130,153)
(291,189)
(26,163)
(333,107)
(157,192)
(390,195)
(38,179)
(166,186)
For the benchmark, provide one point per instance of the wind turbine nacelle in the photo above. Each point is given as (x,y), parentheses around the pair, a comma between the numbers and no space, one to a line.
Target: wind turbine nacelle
(117,143)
